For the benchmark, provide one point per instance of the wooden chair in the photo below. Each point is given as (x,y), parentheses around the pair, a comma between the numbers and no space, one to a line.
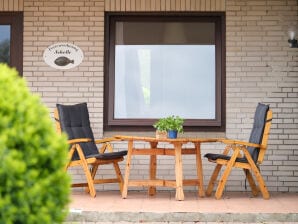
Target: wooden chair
(74,121)
(245,155)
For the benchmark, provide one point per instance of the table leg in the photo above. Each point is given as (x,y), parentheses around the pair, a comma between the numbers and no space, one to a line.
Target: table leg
(178,172)
(127,168)
(152,189)
(201,191)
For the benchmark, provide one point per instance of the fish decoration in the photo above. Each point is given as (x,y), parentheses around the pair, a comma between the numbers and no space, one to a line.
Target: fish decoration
(63,61)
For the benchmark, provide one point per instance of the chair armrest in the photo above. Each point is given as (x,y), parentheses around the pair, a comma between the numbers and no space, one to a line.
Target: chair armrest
(105,140)
(79,140)
(106,144)
(237,142)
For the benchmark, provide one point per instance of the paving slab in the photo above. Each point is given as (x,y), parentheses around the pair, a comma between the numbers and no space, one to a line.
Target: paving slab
(138,207)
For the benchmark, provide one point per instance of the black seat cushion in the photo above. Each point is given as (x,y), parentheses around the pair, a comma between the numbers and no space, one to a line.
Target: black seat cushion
(256,136)
(108,155)
(213,156)
(74,121)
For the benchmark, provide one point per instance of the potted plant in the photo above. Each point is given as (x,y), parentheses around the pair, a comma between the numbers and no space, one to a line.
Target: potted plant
(172,125)
(161,128)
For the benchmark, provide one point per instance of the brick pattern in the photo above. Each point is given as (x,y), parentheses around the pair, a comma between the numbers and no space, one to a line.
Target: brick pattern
(11,5)
(165,5)
(260,68)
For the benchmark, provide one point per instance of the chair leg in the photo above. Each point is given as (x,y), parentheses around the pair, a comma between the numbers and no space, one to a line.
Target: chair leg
(213,179)
(222,182)
(226,173)
(253,186)
(258,175)
(90,182)
(261,182)
(119,175)
(93,173)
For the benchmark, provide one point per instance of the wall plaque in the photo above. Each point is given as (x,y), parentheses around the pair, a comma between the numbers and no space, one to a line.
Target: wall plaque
(63,55)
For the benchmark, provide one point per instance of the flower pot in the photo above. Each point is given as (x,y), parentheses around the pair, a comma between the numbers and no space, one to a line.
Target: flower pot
(161,134)
(172,134)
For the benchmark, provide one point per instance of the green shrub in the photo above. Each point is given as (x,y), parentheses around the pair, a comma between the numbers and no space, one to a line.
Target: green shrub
(34,188)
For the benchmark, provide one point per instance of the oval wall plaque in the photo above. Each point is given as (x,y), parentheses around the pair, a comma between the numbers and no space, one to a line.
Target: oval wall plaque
(63,55)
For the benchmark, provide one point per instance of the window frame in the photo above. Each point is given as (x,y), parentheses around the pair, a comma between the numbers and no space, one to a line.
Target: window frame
(110,123)
(15,20)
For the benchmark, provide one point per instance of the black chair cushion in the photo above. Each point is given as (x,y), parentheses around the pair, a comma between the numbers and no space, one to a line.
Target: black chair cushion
(213,156)
(256,136)
(74,121)
(257,132)
(108,155)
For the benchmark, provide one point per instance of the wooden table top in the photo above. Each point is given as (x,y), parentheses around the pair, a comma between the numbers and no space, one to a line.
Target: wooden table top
(169,140)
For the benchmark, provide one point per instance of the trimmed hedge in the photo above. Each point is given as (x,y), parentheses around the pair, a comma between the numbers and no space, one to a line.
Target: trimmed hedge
(34,188)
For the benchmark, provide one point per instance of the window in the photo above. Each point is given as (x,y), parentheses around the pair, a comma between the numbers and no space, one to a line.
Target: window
(11,39)
(158,65)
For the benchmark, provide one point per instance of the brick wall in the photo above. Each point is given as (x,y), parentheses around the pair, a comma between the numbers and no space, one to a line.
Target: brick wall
(11,5)
(260,68)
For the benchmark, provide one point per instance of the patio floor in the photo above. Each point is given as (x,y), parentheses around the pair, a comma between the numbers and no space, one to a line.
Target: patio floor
(109,207)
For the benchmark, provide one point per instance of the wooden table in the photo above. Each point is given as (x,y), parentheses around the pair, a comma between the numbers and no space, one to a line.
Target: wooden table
(177,152)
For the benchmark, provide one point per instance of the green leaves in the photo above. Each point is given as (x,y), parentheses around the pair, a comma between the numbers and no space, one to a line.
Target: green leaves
(170,123)
(34,187)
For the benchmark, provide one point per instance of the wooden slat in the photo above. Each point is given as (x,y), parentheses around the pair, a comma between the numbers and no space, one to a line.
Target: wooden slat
(144,183)
(161,151)
(105,181)
(148,151)
(178,172)
(153,165)
(190,182)
(170,183)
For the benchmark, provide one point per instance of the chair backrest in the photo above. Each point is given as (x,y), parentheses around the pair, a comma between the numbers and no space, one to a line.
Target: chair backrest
(74,121)
(260,132)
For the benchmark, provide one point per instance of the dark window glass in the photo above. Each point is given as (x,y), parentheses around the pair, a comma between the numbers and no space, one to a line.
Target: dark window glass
(5,44)
(11,39)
